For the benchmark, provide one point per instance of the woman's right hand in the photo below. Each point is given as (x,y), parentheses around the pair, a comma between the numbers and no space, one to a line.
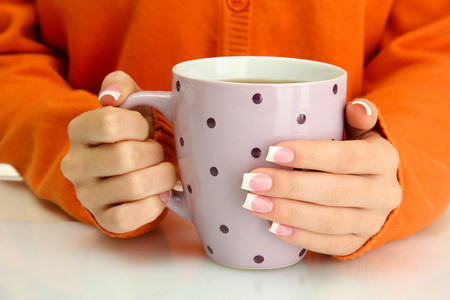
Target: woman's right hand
(117,169)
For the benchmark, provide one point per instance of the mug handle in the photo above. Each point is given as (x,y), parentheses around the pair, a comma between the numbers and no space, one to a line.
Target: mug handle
(164,103)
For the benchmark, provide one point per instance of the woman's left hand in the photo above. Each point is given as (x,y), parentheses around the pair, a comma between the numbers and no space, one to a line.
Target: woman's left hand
(338,207)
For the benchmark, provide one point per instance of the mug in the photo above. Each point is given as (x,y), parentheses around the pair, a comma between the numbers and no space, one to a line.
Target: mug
(226,112)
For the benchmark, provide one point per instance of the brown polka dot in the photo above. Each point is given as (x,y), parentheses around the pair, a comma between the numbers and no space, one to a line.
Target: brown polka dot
(224,229)
(257,98)
(256,152)
(301,119)
(211,123)
(258,259)
(214,171)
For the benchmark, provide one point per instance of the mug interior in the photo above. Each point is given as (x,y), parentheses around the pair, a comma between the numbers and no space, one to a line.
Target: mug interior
(258,67)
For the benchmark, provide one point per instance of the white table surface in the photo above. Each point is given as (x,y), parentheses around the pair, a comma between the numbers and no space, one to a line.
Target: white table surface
(47,255)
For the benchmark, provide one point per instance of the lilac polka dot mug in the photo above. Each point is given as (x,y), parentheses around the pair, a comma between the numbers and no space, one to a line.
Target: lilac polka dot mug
(226,112)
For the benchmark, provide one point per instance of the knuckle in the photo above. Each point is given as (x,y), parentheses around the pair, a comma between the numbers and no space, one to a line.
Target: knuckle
(66,167)
(389,195)
(337,221)
(290,211)
(372,228)
(110,123)
(393,196)
(154,151)
(345,245)
(81,196)
(86,196)
(285,211)
(167,179)
(71,168)
(127,155)
(125,217)
(153,209)
(136,186)
(157,149)
(337,192)
(330,223)
(289,185)
(394,160)
(344,159)
(114,124)
(118,220)
(340,245)
(172,171)
(334,192)
(369,223)
(76,126)
(71,128)
(330,246)
(115,76)
(387,154)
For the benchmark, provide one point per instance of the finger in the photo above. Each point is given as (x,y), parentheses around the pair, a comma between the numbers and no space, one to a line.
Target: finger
(131,215)
(140,184)
(319,218)
(108,125)
(116,87)
(361,116)
(108,160)
(340,157)
(315,187)
(330,244)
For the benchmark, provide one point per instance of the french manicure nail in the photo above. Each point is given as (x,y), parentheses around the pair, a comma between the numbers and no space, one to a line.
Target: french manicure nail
(280,155)
(365,105)
(256,182)
(280,229)
(258,204)
(111,90)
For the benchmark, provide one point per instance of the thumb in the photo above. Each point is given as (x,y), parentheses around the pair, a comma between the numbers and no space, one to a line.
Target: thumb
(361,117)
(116,87)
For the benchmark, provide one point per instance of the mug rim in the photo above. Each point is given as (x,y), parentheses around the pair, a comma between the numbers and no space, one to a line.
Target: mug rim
(322,71)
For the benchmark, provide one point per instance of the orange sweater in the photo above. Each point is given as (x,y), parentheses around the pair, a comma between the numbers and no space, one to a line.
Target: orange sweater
(55,53)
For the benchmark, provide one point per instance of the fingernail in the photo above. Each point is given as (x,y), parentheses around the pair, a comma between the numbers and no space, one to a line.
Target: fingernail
(165,196)
(365,105)
(280,229)
(280,155)
(111,90)
(256,182)
(258,204)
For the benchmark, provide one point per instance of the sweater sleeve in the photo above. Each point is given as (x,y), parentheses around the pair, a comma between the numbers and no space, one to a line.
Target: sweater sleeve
(37,104)
(409,80)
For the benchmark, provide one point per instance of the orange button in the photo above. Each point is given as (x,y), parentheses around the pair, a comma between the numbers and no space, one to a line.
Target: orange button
(238,5)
